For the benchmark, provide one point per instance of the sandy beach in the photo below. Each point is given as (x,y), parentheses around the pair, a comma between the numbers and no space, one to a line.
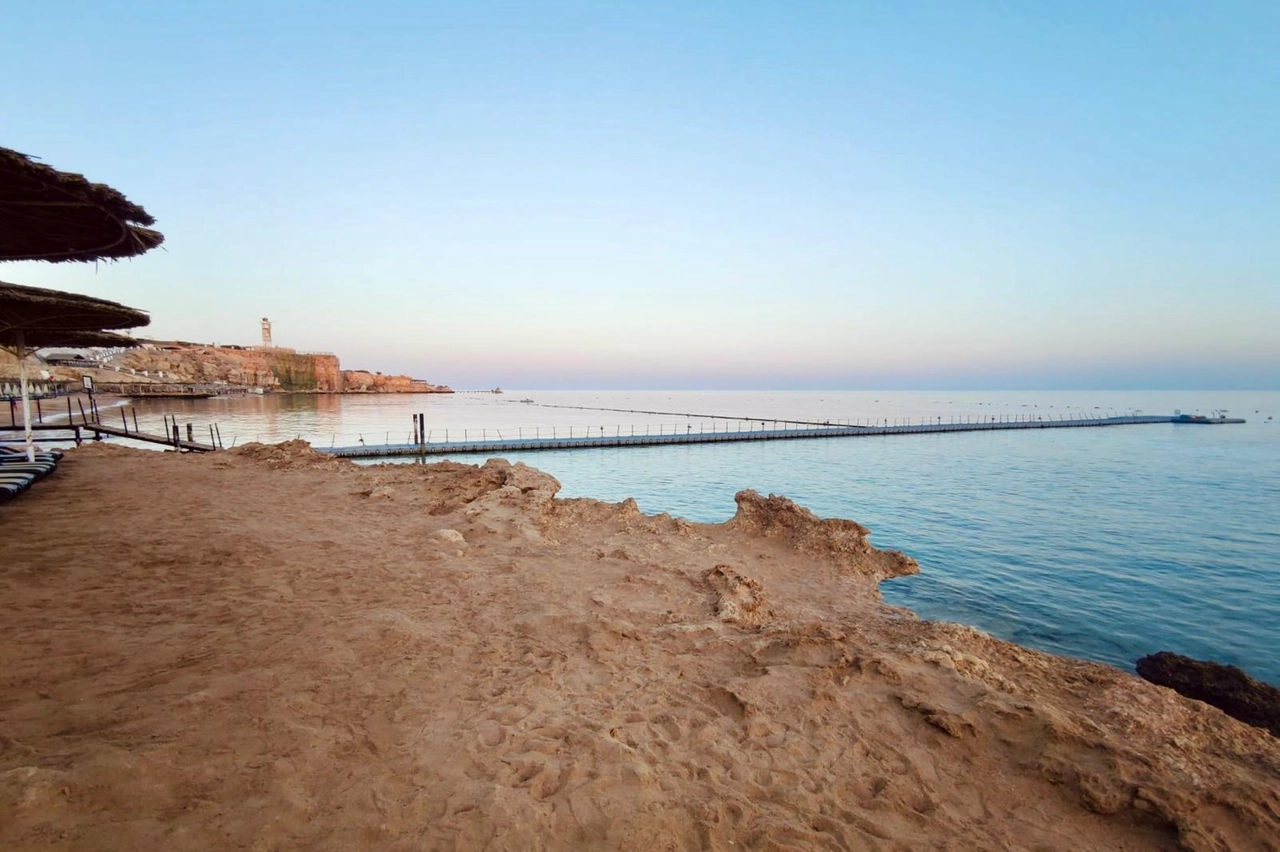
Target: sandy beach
(266,649)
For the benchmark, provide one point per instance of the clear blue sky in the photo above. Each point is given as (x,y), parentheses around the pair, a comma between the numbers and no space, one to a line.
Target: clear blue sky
(684,194)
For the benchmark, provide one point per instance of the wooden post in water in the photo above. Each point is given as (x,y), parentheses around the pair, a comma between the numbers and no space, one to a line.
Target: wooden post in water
(216,429)
(191,438)
(135,420)
(212,441)
(83,418)
(125,421)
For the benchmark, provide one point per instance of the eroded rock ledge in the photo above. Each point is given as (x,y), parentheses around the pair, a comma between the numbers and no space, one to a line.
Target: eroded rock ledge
(269,648)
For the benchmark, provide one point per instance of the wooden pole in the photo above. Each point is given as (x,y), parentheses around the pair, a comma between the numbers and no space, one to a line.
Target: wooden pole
(25,389)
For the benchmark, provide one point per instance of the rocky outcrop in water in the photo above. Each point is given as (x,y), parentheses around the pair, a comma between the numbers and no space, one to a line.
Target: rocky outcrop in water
(363,381)
(1228,688)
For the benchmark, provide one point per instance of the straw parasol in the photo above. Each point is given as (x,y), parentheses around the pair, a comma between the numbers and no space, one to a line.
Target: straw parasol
(46,214)
(34,340)
(31,317)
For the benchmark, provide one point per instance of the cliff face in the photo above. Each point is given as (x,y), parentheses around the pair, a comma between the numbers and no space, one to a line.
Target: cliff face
(274,369)
(296,372)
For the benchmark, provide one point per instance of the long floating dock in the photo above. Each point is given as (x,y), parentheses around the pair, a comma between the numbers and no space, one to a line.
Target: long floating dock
(442,448)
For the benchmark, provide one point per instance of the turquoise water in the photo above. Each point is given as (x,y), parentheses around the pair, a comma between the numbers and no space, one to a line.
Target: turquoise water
(1106,544)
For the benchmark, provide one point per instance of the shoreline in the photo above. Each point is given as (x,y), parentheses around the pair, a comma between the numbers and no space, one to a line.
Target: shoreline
(220,640)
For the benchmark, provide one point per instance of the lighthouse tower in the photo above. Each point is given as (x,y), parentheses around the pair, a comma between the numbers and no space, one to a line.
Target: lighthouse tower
(266,332)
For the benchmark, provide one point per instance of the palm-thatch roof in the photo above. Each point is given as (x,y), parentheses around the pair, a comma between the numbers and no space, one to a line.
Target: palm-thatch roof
(36,313)
(58,216)
(93,339)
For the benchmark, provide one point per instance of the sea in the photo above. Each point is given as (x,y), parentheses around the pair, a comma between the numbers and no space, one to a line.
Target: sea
(1104,544)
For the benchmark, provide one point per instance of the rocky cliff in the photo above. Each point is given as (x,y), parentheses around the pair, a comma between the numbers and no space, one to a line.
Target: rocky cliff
(274,369)
(362,381)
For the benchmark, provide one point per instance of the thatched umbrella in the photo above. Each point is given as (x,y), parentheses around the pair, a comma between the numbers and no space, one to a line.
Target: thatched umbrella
(95,339)
(32,317)
(58,216)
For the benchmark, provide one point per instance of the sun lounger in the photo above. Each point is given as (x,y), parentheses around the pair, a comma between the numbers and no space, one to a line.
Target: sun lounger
(18,451)
(38,469)
(13,484)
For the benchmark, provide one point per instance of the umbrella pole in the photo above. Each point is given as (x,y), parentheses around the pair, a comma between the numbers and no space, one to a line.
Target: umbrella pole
(21,350)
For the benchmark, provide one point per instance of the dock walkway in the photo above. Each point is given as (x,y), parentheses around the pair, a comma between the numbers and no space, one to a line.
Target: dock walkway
(191,446)
(509,445)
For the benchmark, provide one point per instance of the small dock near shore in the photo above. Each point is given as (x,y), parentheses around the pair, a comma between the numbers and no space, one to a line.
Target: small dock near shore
(176,441)
(593,437)
(91,425)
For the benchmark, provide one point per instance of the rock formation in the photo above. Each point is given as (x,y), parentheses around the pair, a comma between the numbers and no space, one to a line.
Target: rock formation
(270,648)
(275,368)
(1228,688)
(363,381)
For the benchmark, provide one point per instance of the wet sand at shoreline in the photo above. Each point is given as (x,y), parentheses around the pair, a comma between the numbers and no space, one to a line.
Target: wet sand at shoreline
(267,649)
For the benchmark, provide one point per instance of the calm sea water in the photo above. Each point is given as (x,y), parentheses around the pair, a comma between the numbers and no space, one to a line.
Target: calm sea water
(1105,544)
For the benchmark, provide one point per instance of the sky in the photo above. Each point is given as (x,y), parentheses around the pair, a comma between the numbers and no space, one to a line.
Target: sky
(807,195)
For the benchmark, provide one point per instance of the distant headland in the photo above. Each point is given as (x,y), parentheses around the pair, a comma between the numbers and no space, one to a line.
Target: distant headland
(259,369)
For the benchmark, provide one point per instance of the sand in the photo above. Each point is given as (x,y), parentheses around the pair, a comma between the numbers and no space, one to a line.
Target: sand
(264,649)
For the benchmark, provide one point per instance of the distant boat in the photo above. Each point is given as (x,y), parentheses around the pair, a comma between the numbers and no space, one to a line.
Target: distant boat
(526,399)
(497,390)
(1217,418)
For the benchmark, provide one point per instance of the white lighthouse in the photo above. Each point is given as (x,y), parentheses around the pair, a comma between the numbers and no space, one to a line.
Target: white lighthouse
(266,332)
